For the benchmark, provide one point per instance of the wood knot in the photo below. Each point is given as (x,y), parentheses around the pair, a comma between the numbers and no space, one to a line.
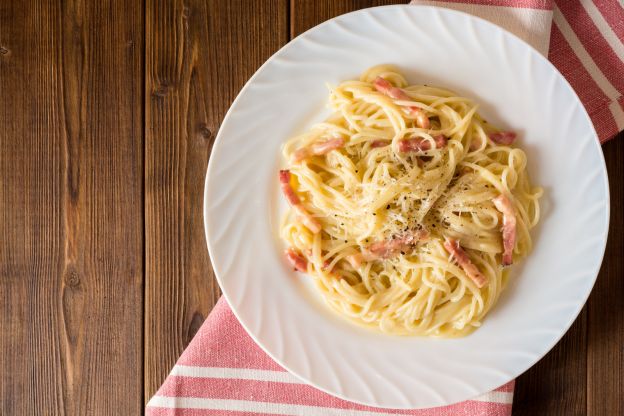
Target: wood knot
(72,279)
(203,131)
(195,324)
(186,12)
(161,90)
(4,51)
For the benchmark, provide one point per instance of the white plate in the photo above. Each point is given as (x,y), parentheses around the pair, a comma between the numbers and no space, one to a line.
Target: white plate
(517,89)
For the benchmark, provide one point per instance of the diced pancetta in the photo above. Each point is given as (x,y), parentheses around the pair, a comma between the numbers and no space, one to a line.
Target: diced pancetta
(503,137)
(296,260)
(504,205)
(389,248)
(317,149)
(304,216)
(420,144)
(460,256)
(385,87)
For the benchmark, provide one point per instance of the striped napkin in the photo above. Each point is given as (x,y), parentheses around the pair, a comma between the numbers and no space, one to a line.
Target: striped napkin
(223,372)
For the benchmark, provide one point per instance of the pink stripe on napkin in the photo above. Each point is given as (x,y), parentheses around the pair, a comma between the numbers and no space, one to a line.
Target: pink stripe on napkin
(223,372)
(529,4)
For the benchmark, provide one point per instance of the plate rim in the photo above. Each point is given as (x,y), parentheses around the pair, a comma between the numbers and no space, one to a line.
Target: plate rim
(219,141)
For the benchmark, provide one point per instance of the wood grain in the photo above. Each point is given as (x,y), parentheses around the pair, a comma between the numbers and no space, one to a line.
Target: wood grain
(605,342)
(198,56)
(71,251)
(108,111)
(557,384)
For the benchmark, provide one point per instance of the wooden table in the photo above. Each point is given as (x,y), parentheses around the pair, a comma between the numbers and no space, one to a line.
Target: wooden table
(108,110)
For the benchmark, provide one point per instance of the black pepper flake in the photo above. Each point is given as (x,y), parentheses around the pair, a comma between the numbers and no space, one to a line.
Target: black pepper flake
(374,213)
(388,206)
(346,241)
(403,252)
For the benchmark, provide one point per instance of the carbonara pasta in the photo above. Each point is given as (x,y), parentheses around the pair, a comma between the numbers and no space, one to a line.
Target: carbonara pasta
(407,206)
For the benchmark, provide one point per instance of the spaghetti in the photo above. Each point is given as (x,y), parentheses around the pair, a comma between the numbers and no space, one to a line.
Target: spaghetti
(406,205)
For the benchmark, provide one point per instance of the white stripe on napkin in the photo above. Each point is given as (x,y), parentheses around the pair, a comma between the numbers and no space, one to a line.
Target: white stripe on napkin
(235,373)
(604,28)
(283,408)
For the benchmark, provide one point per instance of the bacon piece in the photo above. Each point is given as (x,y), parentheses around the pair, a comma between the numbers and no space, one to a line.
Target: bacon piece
(440,141)
(296,260)
(389,248)
(385,87)
(327,146)
(420,144)
(317,149)
(379,143)
(289,193)
(458,253)
(304,216)
(503,137)
(326,263)
(386,249)
(306,219)
(504,205)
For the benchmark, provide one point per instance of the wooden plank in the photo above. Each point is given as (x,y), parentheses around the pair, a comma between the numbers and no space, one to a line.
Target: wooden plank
(71,253)
(557,384)
(605,354)
(198,56)
(309,13)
